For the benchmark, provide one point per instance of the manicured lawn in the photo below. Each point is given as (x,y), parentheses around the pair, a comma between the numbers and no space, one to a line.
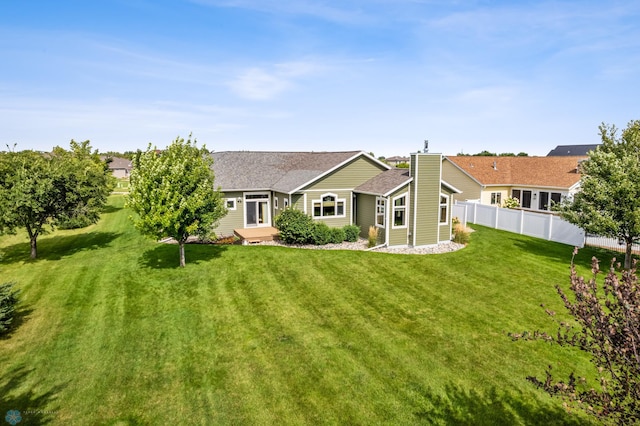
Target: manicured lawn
(112,332)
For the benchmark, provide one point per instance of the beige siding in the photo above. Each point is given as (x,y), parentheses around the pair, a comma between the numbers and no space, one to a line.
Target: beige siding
(234,218)
(485,198)
(426,198)
(471,190)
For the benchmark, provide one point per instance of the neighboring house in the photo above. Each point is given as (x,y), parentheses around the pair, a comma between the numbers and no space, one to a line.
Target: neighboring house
(572,150)
(120,167)
(394,161)
(536,181)
(410,207)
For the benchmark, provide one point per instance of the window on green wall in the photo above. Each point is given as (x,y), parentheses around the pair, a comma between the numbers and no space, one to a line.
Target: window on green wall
(444,209)
(328,206)
(380,211)
(400,211)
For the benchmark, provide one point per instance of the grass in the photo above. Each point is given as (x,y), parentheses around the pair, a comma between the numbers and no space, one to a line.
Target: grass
(111,331)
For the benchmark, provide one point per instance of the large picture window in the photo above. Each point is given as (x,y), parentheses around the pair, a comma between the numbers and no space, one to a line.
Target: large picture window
(329,205)
(400,211)
(380,211)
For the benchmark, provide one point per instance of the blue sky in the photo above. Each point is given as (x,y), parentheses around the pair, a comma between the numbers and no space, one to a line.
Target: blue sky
(289,75)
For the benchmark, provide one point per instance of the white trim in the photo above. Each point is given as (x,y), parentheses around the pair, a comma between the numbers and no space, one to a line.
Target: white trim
(440,204)
(287,202)
(415,201)
(405,208)
(233,200)
(384,213)
(321,202)
(304,200)
(275,202)
(267,222)
(331,170)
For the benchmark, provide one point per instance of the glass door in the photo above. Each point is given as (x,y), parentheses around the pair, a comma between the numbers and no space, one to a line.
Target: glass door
(257,210)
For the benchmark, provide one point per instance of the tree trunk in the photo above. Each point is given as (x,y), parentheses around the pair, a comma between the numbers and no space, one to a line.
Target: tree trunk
(34,246)
(182,260)
(628,254)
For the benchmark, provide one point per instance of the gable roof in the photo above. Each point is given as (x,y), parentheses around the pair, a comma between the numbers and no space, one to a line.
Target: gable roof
(386,182)
(555,172)
(117,162)
(284,172)
(572,150)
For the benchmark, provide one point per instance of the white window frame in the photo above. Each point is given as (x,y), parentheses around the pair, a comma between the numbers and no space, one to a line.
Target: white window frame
(446,206)
(496,199)
(232,201)
(275,203)
(381,211)
(397,208)
(286,203)
(320,201)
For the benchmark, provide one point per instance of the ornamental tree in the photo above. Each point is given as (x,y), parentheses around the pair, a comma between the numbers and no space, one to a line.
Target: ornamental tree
(608,203)
(39,191)
(172,192)
(606,325)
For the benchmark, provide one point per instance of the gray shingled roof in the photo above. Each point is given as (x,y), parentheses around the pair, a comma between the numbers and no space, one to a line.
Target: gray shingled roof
(277,171)
(571,150)
(385,182)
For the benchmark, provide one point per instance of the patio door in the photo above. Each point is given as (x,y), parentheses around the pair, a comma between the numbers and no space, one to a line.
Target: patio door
(257,210)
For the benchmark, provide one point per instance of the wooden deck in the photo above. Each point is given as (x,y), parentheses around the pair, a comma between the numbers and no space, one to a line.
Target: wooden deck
(256,235)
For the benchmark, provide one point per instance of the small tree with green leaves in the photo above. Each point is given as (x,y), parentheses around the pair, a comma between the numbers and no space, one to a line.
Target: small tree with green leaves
(608,203)
(40,191)
(173,195)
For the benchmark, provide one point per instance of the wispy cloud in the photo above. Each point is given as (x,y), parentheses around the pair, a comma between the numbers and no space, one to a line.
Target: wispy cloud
(264,83)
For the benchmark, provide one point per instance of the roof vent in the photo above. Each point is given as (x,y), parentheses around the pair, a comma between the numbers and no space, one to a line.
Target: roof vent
(495,166)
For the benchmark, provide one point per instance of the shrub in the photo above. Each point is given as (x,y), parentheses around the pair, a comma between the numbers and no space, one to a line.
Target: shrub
(373,236)
(321,234)
(295,227)
(351,233)
(511,203)
(461,234)
(8,300)
(336,235)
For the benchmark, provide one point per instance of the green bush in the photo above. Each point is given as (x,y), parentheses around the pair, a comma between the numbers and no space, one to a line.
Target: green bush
(336,235)
(321,234)
(351,233)
(8,300)
(295,227)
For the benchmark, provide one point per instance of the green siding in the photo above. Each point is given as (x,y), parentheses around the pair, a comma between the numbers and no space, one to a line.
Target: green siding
(365,214)
(425,190)
(399,236)
(348,176)
(471,190)
(234,218)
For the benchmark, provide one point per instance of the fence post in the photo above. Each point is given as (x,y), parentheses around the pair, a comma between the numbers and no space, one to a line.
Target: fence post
(495,225)
(550,227)
(521,221)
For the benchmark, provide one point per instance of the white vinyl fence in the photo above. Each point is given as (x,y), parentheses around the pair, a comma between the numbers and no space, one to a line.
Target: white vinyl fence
(541,225)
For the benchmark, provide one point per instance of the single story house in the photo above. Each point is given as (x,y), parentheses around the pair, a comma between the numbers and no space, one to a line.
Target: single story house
(536,181)
(120,167)
(410,207)
(396,160)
